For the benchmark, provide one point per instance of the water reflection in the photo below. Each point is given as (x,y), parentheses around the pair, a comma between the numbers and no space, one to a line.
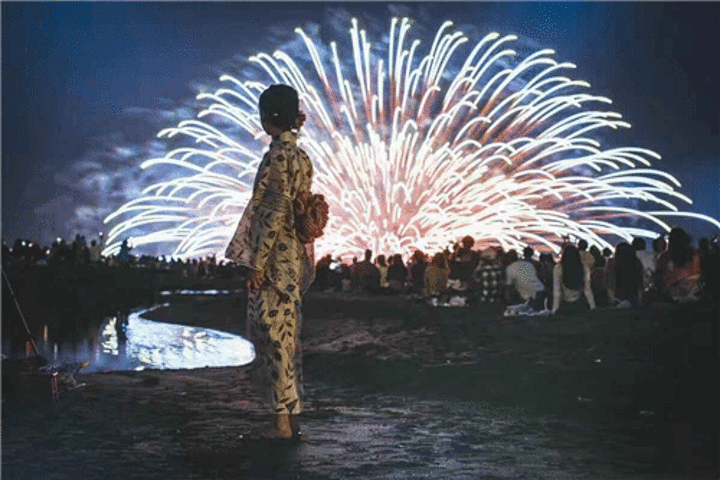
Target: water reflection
(130,342)
(211,292)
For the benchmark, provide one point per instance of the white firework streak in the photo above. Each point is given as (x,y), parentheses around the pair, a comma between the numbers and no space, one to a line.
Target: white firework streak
(411,156)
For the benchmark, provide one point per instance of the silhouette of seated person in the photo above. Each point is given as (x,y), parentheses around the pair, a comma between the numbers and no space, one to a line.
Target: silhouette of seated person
(522,283)
(367,275)
(625,276)
(571,280)
(488,278)
(678,268)
(322,273)
(710,267)
(436,277)
(416,269)
(397,273)
(463,263)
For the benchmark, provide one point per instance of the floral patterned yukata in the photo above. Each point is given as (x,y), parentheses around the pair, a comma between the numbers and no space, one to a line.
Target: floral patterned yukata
(265,239)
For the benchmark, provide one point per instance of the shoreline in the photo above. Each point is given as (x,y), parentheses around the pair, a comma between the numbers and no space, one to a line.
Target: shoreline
(182,421)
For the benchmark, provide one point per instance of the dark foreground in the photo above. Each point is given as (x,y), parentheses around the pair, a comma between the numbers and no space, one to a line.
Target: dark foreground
(400,390)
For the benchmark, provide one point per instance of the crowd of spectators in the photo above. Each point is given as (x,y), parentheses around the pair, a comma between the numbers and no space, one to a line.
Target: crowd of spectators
(579,276)
(78,254)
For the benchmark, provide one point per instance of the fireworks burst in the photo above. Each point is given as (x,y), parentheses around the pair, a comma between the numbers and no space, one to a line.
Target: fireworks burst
(411,152)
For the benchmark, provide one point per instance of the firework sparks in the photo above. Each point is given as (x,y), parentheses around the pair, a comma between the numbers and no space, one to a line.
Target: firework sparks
(412,152)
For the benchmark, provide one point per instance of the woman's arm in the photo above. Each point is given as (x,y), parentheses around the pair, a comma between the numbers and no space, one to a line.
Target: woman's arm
(557,279)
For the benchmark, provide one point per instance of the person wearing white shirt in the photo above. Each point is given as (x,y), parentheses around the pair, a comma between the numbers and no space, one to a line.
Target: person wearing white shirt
(522,275)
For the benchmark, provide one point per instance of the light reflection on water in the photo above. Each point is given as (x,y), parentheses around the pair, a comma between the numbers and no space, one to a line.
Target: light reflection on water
(166,293)
(134,343)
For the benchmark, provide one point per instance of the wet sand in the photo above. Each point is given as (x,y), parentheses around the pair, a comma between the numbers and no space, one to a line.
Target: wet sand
(394,389)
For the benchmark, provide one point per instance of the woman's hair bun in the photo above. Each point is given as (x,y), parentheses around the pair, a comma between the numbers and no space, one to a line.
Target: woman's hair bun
(281,104)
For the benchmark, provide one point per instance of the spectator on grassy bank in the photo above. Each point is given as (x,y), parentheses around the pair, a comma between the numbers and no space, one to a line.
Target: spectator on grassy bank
(659,246)
(648,261)
(571,279)
(367,275)
(340,277)
(545,270)
(416,269)
(678,268)
(598,259)
(95,253)
(463,262)
(382,266)
(436,277)
(528,256)
(522,283)
(625,276)
(488,277)
(322,273)
(710,267)
(397,273)
(586,257)
(607,254)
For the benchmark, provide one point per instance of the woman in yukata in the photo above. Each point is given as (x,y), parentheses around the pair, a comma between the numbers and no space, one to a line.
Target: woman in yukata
(281,265)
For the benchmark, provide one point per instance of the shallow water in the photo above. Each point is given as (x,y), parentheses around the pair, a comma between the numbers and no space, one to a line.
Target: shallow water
(210,292)
(131,342)
(381,436)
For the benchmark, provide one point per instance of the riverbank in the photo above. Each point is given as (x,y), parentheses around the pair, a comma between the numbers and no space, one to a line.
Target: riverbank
(394,388)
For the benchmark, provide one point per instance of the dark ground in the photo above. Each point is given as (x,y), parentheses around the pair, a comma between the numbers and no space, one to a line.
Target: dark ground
(397,389)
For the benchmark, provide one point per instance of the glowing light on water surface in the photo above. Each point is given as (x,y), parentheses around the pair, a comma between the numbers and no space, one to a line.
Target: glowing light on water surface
(160,345)
(413,151)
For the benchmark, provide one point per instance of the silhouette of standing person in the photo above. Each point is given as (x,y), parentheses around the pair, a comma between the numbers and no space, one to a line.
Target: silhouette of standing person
(282,266)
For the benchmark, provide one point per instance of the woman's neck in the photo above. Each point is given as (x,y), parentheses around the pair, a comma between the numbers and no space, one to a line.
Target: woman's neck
(284,133)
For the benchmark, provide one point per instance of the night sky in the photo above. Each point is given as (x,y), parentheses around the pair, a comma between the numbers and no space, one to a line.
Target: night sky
(80,83)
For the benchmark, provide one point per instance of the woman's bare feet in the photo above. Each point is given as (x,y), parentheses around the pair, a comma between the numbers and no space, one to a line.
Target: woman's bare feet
(282,429)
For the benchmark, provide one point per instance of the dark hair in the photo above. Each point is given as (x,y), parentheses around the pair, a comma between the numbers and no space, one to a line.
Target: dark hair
(280,104)
(628,272)
(381,261)
(546,257)
(597,256)
(582,244)
(607,252)
(468,241)
(572,268)
(368,255)
(528,252)
(639,244)
(679,246)
(511,256)
(439,260)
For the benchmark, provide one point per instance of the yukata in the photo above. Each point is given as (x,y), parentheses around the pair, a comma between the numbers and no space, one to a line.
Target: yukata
(266,240)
